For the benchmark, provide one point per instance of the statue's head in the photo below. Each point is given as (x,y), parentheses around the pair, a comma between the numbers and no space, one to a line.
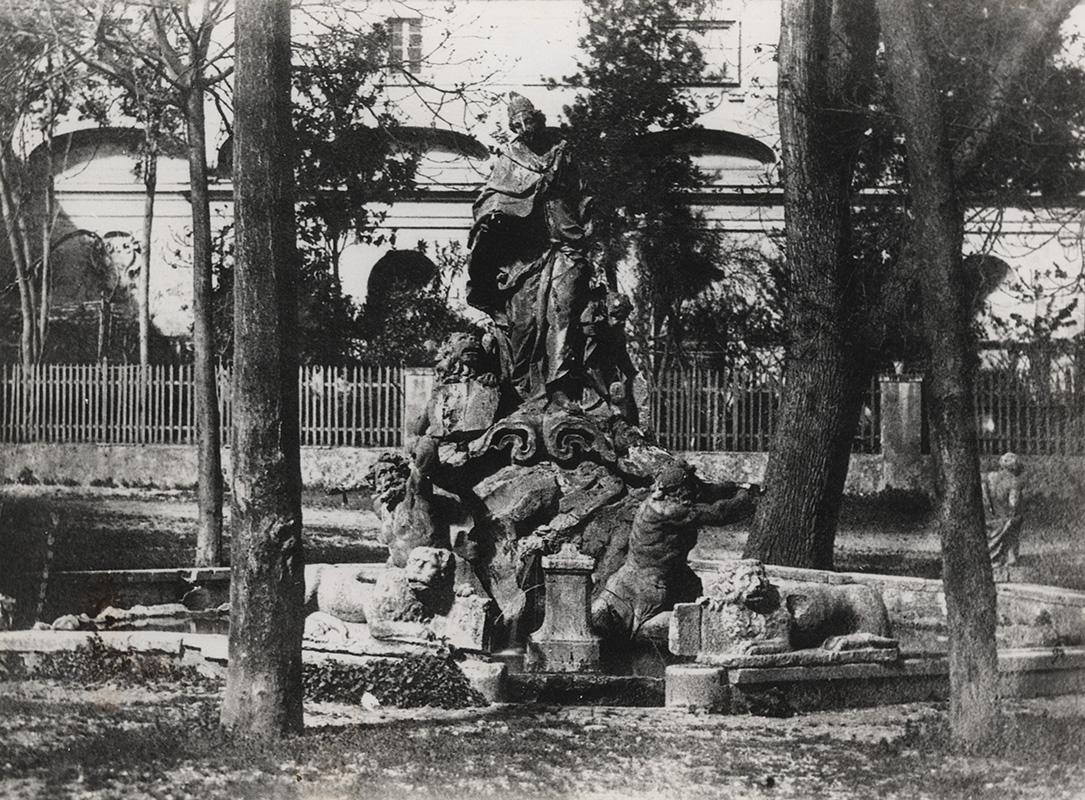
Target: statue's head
(619,307)
(524,118)
(430,572)
(744,581)
(388,479)
(675,482)
(460,357)
(1011,463)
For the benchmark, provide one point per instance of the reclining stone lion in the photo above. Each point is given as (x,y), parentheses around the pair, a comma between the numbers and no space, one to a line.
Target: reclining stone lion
(429,597)
(743,613)
(837,617)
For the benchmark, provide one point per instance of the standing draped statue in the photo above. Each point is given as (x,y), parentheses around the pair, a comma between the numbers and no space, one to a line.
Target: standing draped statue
(1002,490)
(528,268)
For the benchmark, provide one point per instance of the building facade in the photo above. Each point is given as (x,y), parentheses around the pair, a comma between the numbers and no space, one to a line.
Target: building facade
(483,49)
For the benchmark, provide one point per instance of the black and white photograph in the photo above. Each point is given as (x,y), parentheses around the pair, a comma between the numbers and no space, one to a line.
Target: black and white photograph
(572,399)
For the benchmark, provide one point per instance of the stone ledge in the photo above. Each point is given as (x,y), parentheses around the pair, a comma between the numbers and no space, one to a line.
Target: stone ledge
(135,576)
(1024,659)
(1038,592)
(1030,672)
(906,667)
(60,641)
(209,652)
(809,658)
(708,566)
(1028,659)
(581,689)
(907,583)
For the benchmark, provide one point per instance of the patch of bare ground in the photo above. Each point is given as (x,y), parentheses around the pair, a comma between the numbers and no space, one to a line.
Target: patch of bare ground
(63,740)
(138,742)
(133,529)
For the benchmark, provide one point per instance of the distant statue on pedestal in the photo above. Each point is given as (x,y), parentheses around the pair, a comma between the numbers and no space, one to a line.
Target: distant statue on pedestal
(1002,492)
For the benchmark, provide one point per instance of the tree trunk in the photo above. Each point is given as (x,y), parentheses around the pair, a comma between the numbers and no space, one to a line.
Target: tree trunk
(825,55)
(28,338)
(795,523)
(47,221)
(936,238)
(150,186)
(104,318)
(263,684)
(209,491)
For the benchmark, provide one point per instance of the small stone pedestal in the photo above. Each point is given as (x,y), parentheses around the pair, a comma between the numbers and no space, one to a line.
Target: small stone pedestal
(565,642)
(697,686)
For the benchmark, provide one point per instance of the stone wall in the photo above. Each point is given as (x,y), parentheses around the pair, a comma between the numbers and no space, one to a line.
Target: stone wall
(900,465)
(174,466)
(165,466)
(865,475)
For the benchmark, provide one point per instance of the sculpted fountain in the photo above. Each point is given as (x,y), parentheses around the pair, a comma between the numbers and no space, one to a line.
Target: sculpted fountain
(530,443)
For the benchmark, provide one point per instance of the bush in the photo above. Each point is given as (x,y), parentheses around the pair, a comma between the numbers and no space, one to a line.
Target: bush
(96,662)
(11,667)
(404,682)
(26,477)
(411,682)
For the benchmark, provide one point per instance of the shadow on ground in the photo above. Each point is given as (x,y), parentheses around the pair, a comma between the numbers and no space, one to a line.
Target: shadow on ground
(62,741)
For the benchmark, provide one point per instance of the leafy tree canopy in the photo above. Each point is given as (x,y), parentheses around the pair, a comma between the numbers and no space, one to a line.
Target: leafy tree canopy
(328,324)
(348,153)
(405,323)
(1034,153)
(637,66)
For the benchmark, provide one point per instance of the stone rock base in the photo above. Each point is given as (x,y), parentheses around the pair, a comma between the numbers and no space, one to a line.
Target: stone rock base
(694,686)
(573,689)
(487,677)
(556,655)
(1024,672)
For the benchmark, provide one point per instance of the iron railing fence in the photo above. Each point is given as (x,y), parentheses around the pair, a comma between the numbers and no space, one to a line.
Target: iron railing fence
(704,408)
(129,404)
(1031,399)
(1031,406)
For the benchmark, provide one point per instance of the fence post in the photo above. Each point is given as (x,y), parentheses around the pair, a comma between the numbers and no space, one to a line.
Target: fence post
(417,388)
(902,432)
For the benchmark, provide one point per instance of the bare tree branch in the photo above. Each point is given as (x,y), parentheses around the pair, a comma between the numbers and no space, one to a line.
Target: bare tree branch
(177,68)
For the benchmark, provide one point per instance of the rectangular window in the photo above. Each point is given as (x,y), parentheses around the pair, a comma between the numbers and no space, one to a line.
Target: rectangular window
(720,45)
(405,44)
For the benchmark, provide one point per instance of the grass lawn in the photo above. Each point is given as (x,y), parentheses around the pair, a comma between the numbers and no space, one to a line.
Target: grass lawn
(131,529)
(62,741)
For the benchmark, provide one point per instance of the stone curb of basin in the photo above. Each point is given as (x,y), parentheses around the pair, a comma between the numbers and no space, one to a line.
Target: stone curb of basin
(208,653)
(1023,673)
